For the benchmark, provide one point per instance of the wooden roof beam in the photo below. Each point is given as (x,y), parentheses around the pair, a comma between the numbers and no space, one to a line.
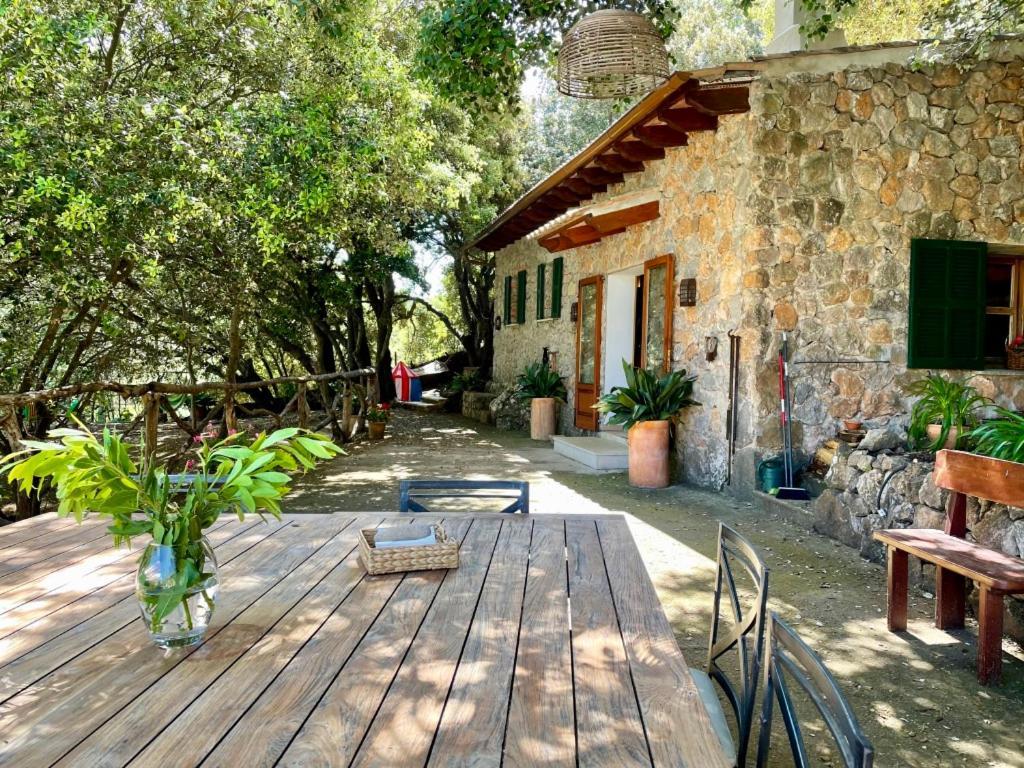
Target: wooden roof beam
(724,100)
(600,176)
(566,195)
(661,136)
(688,120)
(618,164)
(583,187)
(634,149)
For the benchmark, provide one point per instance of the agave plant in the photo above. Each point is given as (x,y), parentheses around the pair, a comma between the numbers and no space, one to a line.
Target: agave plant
(1001,438)
(538,380)
(951,403)
(647,397)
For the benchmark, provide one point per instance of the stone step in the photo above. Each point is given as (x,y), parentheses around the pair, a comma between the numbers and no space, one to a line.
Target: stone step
(593,452)
(614,435)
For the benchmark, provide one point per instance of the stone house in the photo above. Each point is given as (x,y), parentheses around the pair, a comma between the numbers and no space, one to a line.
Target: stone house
(870,208)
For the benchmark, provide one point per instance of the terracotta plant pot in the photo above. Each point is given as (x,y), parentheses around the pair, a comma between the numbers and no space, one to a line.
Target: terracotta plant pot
(852,425)
(377,429)
(648,454)
(543,417)
(934,430)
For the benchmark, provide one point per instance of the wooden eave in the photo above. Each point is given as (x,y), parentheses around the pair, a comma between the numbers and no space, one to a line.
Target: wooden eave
(663,119)
(592,224)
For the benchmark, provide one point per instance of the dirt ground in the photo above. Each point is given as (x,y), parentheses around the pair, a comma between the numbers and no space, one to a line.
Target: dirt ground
(914,693)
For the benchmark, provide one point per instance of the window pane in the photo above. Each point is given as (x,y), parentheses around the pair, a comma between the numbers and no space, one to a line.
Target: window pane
(999,282)
(588,332)
(997,333)
(656,318)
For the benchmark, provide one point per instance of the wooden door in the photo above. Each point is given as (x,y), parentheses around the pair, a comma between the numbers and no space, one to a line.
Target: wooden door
(589,299)
(657,314)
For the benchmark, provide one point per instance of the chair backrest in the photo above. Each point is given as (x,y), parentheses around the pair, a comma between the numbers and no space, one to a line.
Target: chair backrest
(967,474)
(412,493)
(790,660)
(742,635)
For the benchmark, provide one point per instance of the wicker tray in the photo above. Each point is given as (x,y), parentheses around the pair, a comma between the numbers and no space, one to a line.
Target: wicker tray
(443,554)
(1014,360)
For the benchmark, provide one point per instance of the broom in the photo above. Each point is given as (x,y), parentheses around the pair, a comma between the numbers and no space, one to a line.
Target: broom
(789,490)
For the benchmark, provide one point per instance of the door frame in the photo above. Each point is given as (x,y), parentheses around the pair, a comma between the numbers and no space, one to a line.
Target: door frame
(586,395)
(668,261)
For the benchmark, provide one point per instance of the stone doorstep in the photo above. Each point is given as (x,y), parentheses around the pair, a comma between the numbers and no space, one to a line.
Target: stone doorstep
(613,435)
(593,452)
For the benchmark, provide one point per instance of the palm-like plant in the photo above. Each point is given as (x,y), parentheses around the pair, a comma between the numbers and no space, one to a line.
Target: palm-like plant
(950,403)
(1001,438)
(538,380)
(647,397)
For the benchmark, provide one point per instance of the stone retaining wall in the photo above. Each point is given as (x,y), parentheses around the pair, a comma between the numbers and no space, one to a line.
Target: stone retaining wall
(885,487)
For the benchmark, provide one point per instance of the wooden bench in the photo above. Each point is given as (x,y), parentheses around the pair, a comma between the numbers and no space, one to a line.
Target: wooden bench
(957,559)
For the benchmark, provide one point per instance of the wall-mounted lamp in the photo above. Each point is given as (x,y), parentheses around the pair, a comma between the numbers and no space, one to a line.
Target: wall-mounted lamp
(710,348)
(497,322)
(688,292)
(574,311)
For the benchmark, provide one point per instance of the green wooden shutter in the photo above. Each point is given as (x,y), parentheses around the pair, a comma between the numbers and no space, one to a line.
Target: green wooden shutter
(947,304)
(556,287)
(540,291)
(521,296)
(508,300)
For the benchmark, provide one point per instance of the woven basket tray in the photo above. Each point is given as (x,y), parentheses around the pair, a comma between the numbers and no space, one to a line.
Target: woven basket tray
(1014,360)
(443,554)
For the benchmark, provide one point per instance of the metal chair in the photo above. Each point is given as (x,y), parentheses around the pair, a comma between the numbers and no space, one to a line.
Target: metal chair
(742,637)
(790,659)
(410,492)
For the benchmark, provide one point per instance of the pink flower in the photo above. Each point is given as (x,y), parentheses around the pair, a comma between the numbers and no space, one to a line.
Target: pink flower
(197,438)
(232,431)
(189,465)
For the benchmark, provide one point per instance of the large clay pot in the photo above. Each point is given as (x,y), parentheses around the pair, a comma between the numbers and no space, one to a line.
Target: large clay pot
(543,417)
(934,430)
(377,429)
(648,454)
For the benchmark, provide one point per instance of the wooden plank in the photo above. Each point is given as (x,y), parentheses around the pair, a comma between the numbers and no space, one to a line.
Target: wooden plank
(980,476)
(609,730)
(64,546)
(678,729)
(897,590)
(473,721)
(541,723)
(336,726)
(12,533)
(78,578)
(210,716)
(418,693)
(43,645)
(987,567)
(123,736)
(93,686)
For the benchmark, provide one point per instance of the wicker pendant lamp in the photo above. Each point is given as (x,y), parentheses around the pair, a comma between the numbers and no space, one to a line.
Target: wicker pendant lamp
(611,54)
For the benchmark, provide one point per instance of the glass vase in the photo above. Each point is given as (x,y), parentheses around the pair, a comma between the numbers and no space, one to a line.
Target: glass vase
(177,592)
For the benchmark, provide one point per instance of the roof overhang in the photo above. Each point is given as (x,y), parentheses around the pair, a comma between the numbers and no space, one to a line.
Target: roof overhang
(664,118)
(595,222)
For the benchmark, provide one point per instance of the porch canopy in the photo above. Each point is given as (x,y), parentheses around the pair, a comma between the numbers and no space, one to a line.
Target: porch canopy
(595,222)
(684,103)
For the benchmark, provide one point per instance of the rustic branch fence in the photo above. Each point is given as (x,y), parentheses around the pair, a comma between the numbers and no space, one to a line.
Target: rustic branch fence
(340,410)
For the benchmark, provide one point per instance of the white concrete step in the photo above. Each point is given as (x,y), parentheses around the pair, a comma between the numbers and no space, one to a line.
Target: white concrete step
(613,434)
(593,452)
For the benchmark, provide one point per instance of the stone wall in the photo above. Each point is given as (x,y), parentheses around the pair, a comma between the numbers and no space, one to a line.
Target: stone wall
(885,487)
(703,224)
(850,165)
(798,217)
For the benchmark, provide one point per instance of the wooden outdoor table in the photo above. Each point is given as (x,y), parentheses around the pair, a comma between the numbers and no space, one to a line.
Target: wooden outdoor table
(546,646)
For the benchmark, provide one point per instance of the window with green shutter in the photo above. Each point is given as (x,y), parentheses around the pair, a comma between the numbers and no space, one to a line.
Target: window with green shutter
(556,287)
(947,304)
(540,291)
(521,296)
(508,300)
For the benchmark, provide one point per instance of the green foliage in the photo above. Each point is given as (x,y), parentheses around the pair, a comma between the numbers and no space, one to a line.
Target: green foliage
(953,403)
(379,412)
(467,381)
(647,397)
(538,380)
(1000,438)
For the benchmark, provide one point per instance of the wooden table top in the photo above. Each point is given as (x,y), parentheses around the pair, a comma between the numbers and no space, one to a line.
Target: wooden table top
(546,646)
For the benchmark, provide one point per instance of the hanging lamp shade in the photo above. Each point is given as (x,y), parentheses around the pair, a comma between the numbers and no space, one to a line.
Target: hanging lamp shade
(611,54)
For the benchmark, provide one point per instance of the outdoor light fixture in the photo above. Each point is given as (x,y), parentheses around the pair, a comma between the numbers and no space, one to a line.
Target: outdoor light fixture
(497,322)
(611,54)
(688,292)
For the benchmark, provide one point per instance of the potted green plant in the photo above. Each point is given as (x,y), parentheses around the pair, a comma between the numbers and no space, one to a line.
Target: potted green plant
(1000,438)
(646,407)
(544,389)
(176,581)
(377,420)
(946,410)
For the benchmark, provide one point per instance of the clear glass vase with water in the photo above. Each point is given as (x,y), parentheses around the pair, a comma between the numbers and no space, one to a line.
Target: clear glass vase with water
(177,592)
